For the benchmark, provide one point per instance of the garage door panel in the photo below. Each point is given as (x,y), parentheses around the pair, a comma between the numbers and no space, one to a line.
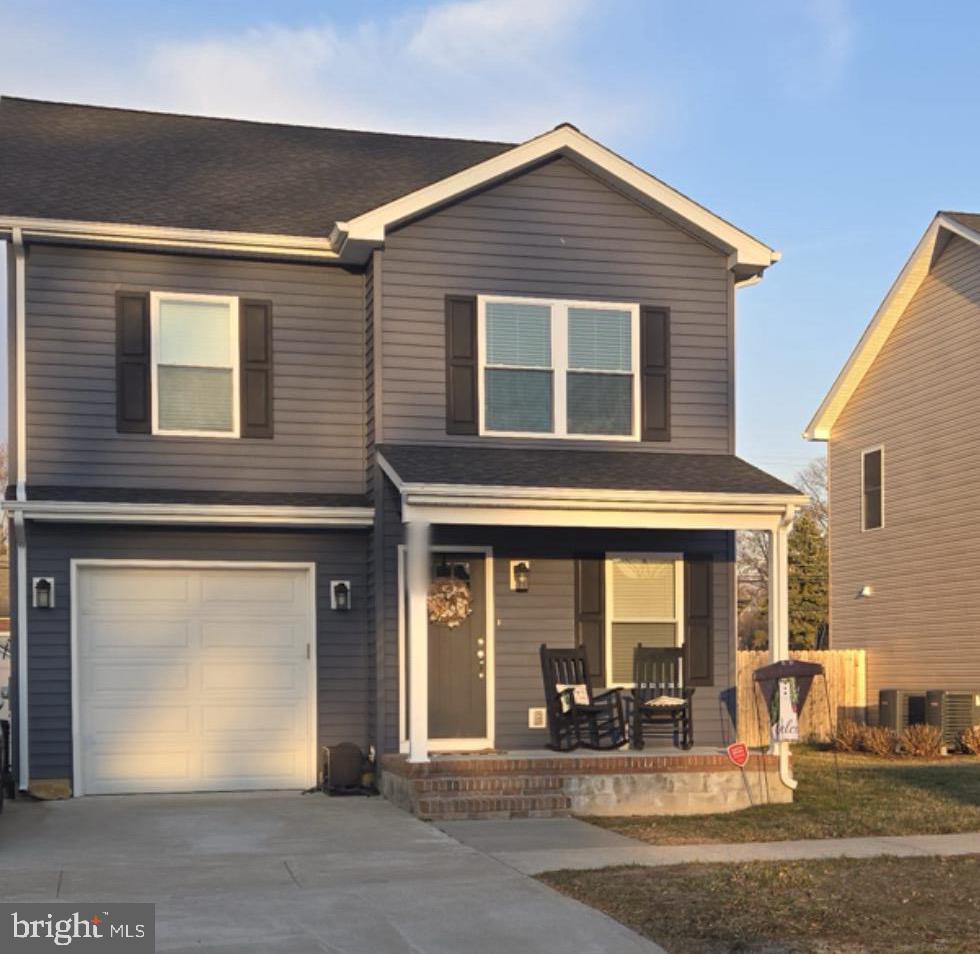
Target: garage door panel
(208,688)
(269,633)
(133,634)
(163,677)
(230,587)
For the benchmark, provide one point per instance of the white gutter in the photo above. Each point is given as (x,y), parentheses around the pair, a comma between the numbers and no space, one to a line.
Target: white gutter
(785,772)
(71,511)
(20,534)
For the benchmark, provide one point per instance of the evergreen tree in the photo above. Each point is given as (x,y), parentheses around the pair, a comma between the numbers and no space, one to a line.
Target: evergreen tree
(808,579)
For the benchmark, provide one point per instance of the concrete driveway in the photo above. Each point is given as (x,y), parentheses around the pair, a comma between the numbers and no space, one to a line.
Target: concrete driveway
(260,873)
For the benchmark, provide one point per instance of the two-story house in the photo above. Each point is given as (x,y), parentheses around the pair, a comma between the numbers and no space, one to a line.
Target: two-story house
(268,383)
(898,423)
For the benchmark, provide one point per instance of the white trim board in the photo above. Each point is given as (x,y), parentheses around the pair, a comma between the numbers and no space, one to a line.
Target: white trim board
(883,322)
(449,745)
(76,564)
(67,511)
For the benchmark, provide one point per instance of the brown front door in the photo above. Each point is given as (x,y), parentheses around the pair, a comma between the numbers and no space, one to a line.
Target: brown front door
(458,656)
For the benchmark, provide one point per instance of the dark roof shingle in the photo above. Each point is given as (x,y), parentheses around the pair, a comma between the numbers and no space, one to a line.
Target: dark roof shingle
(98,164)
(579,469)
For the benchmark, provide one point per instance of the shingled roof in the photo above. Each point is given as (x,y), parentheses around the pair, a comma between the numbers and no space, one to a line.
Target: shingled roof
(97,164)
(579,469)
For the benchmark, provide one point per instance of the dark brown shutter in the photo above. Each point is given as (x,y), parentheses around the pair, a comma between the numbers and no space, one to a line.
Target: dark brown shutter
(699,653)
(655,373)
(255,341)
(590,614)
(461,365)
(133,362)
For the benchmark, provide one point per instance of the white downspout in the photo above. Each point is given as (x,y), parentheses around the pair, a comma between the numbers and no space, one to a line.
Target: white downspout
(20,531)
(779,619)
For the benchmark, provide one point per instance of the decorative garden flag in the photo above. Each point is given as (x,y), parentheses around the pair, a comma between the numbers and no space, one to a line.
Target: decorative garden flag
(784,711)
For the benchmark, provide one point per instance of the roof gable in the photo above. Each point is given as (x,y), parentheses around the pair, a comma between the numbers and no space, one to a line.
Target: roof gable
(920,263)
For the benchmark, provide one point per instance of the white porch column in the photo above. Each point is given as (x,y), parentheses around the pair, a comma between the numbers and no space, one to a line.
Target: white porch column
(779,591)
(417,563)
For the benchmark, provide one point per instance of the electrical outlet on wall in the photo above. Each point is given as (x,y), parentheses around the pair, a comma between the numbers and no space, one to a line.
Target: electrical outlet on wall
(537,718)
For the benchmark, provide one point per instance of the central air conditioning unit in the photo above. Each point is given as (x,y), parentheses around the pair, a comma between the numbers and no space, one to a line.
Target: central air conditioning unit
(900,708)
(953,711)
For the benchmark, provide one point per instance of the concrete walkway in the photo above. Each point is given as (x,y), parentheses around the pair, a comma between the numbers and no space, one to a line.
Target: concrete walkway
(550,844)
(291,874)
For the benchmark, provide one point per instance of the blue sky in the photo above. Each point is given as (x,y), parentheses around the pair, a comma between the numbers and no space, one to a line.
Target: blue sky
(833,131)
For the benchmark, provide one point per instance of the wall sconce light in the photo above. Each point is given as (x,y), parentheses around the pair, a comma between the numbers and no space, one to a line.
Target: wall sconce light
(43,592)
(865,591)
(520,575)
(340,595)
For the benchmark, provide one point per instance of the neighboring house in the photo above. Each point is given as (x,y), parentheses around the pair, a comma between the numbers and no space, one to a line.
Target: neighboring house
(268,380)
(900,426)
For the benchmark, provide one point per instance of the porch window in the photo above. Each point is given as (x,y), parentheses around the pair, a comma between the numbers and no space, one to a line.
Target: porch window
(194,348)
(559,368)
(644,604)
(872,489)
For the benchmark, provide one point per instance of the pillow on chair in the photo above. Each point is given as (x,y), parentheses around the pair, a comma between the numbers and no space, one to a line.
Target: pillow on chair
(665,701)
(580,694)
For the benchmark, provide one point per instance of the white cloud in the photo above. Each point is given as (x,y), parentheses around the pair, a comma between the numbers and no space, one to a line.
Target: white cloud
(486,68)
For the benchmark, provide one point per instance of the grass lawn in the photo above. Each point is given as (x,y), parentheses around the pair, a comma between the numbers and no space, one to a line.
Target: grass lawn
(868,905)
(878,797)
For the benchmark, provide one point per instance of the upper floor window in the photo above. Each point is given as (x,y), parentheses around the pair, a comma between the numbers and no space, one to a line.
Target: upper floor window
(194,364)
(558,368)
(873,488)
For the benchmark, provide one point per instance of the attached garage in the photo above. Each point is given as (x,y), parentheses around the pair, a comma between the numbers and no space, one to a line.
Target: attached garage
(192,676)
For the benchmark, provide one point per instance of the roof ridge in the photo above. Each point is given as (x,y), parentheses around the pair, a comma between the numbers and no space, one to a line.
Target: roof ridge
(250,122)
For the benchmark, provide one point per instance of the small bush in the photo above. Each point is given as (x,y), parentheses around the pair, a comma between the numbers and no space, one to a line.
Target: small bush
(970,740)
(922,741)
(848,736)
(877,740)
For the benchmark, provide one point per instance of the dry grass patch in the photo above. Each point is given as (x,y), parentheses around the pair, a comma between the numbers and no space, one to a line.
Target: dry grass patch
(878,797)
(844,906)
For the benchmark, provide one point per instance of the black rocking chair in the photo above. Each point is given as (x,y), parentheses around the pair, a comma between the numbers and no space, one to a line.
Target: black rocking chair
(577,716)
(658,677)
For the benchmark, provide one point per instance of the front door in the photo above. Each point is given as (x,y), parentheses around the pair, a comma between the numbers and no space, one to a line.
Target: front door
(458,656)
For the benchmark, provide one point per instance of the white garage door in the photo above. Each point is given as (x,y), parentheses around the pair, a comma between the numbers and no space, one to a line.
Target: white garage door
(193,678)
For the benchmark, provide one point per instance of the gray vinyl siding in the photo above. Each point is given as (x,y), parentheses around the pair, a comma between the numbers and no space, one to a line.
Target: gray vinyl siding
(545,614)
(556,231)
(343,657)
(319,376)
(920,400)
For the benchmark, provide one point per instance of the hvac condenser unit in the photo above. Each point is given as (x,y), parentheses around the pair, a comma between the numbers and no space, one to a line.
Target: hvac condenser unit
(952,711)
(900,708)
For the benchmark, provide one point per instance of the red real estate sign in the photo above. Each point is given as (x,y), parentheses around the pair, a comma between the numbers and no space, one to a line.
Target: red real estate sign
(738,752)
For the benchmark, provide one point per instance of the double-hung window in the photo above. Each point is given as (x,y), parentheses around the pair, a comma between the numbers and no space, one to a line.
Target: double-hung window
(644,604)
(873,489)
(559,368)
(194,364)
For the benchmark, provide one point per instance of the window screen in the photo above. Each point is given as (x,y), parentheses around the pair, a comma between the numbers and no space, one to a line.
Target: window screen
(642,604)
(518,381)
(872,483)
(195,357)
(600,361)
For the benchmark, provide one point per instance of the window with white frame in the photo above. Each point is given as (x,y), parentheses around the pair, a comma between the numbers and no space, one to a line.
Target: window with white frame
(644,604)
(873,489)
(194,367)
(559,368)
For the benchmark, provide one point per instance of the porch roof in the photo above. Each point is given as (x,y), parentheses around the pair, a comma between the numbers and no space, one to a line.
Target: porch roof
(439,466)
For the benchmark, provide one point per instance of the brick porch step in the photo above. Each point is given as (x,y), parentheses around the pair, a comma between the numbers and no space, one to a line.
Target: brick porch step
(491,805)
(523,784)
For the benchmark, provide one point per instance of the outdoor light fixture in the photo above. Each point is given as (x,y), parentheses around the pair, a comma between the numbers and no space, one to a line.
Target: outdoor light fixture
(340,595)
(43,592)
(520,575)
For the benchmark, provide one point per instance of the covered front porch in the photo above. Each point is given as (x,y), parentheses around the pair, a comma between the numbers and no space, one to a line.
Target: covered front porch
(601,568)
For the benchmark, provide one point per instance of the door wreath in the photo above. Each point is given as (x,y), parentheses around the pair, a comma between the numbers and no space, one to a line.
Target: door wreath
(450,602)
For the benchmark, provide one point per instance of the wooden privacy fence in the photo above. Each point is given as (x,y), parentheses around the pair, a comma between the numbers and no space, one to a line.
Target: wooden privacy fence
(845,671)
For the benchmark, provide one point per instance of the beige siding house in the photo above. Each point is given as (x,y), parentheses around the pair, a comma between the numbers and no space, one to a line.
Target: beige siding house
(903,451)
